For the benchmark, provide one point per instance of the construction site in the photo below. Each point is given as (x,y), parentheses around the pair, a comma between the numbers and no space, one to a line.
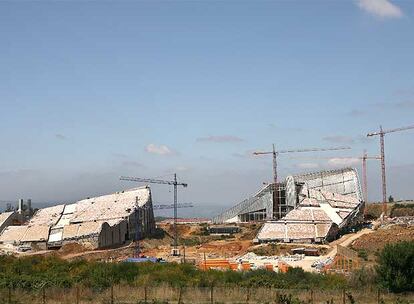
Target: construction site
(220,152)
(318,221)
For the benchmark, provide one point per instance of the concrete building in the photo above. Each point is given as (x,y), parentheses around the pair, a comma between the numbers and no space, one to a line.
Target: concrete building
(97,222)
(318,218)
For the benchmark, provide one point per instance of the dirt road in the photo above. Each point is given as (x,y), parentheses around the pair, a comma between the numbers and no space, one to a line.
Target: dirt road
(346,240)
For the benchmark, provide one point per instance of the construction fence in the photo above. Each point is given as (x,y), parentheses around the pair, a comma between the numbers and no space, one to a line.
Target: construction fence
(165,294)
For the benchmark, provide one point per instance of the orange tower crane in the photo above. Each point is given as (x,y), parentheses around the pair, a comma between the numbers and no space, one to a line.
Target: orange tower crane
(381,133)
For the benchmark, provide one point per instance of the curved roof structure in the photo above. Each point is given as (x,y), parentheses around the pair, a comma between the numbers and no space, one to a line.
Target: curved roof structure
(341,181)
(83,218)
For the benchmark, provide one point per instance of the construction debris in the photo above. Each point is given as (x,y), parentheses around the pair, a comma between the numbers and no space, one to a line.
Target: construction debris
(251,261)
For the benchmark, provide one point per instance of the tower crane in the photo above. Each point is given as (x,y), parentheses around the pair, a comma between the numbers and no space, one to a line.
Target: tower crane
(276,153)
(381,133)
(174,183)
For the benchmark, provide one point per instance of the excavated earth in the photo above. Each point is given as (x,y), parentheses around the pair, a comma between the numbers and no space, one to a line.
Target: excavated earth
(375,241)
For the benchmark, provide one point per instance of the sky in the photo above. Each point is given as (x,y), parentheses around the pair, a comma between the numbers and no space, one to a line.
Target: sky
(92,90)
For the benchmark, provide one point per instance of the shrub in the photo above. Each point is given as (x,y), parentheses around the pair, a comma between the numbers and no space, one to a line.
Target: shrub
(34,273)
(395,266)
(363,254)
(366,277)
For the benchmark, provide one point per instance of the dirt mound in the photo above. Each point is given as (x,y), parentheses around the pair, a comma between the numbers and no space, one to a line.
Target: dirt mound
(71,248)
(182,229)
(377,240)
(249,231)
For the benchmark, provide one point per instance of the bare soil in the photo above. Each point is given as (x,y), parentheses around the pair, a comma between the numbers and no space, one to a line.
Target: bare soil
(375,241)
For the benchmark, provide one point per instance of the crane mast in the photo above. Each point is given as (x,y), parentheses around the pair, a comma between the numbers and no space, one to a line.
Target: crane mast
(274,165)
(381,133)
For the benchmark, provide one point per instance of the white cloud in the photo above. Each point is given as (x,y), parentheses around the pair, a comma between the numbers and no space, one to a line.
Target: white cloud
(343,162)
(380,8)
(308,165)
(160,149)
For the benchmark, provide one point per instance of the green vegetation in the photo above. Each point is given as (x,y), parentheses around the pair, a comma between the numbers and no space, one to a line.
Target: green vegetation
(402,210)
(34,273)
(363,254)
(395,272)
(394,210)
(396,267)
(194,241)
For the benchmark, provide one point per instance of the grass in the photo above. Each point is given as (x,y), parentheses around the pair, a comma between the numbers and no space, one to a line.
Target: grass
(198,295)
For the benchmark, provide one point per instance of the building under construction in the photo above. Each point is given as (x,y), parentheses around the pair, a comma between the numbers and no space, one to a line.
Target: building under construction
(98,222)
(310,207)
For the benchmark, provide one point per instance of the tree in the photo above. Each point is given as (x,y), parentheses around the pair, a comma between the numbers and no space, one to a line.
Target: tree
(390,199)
(395,266)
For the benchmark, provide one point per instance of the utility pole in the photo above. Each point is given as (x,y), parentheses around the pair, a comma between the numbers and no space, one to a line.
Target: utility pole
(381,133)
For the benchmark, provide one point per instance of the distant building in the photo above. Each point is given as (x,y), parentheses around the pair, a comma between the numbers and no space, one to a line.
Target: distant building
(97,222)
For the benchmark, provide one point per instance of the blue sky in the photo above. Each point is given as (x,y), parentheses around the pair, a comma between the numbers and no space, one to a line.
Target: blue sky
(90,91)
